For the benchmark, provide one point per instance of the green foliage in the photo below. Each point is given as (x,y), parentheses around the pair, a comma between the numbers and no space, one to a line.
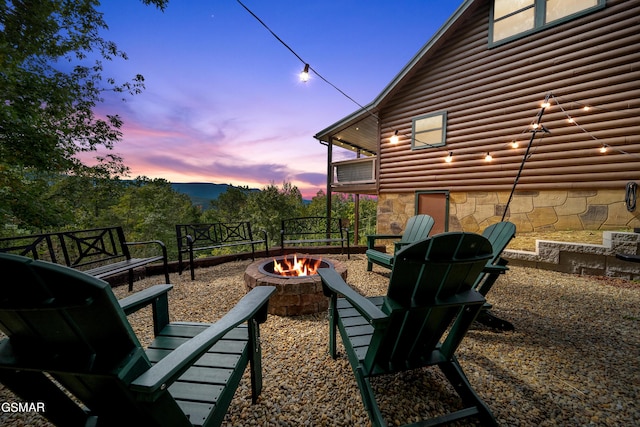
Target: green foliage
(50,81)
(229,206)
(267,208)
(150,209)
(343,206)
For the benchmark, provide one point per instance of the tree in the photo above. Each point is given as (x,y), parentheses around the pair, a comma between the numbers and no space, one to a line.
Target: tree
(268,207)
(150,209)
(343,206)
(230,206)
(49,86)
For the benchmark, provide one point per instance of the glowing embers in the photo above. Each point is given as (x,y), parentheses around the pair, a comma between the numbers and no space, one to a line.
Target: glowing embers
(296,267)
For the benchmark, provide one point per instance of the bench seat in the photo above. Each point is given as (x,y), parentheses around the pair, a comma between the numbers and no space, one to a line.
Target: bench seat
(313,230)
(199,237)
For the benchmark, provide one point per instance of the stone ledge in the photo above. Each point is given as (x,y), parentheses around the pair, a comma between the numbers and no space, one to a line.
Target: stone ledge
(577,258)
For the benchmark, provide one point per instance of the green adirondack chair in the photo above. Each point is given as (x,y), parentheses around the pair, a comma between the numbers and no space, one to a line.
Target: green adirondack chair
(417,228)
(69,345)
(429,306)
(499,235)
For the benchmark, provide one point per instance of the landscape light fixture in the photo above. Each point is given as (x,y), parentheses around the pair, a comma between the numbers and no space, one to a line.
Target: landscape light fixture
(394,138)
(304,75)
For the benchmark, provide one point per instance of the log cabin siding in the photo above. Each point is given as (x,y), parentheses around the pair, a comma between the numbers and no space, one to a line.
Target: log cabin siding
(491,95)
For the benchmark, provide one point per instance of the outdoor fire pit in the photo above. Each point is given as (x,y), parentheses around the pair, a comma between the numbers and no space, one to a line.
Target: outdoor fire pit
(295,294)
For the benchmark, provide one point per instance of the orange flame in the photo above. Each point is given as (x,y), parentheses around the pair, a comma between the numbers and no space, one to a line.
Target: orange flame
(299,267)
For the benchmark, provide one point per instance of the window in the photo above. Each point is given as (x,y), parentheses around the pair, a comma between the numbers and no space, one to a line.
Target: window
(514,18)
(429,130)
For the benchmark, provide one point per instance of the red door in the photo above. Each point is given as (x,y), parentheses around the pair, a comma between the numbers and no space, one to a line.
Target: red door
(435,204)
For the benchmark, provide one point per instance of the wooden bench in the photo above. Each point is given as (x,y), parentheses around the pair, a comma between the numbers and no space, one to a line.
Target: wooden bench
(208,236)
(100,252)
(312,230)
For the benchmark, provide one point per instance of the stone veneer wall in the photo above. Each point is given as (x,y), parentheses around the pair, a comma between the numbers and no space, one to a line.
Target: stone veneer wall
(540,211)
(529,210)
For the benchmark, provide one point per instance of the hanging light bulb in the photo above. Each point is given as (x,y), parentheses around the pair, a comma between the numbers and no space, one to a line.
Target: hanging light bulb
(603,149)
(394,138)
(449,157)
(586,108)
(304,75)
(514,144)
(545,104)
(570,120)
(488,157)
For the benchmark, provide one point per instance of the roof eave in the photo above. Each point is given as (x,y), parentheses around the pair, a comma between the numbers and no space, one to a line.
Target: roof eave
(406,71)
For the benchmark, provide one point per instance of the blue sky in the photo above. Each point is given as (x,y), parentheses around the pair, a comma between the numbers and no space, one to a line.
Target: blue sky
(223,102)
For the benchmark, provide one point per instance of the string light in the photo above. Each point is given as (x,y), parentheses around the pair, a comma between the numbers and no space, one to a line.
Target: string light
(304,75)
(394,138)
(534,127)
(307,67)
(604,147)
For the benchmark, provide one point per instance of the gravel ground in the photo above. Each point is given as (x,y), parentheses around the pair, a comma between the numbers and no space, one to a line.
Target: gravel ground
(573,359)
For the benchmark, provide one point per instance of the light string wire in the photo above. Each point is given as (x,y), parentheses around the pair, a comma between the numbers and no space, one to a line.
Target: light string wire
(573,121)
(305,63)
(450,153)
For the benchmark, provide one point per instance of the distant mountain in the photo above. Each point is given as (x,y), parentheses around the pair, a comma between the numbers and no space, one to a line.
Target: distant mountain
(201,193)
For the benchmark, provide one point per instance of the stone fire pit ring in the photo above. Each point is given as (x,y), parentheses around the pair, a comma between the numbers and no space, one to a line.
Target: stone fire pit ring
(295,295)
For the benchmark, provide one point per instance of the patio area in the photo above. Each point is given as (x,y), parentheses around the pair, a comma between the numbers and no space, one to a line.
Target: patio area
(571,361)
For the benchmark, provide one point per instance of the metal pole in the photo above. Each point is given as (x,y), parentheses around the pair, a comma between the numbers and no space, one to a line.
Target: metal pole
(329,179)
(534,131)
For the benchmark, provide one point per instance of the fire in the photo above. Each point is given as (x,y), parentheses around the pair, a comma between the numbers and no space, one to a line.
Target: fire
(299,267)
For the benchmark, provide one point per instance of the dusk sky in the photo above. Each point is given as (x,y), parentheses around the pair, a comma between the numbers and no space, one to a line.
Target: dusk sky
(223,102)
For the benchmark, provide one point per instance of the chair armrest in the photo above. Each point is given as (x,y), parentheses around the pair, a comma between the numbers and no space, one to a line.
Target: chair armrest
(332,283)
(141,299)
(148,242)
(167,370)
(371,238)
(628,257)
(163,247)
(495,269)
(399,245)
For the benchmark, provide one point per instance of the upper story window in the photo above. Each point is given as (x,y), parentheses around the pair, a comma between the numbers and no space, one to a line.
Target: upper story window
(429,130)
(514,18)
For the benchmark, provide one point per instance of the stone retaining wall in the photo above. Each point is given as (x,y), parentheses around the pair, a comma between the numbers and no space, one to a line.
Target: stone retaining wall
(576,258)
